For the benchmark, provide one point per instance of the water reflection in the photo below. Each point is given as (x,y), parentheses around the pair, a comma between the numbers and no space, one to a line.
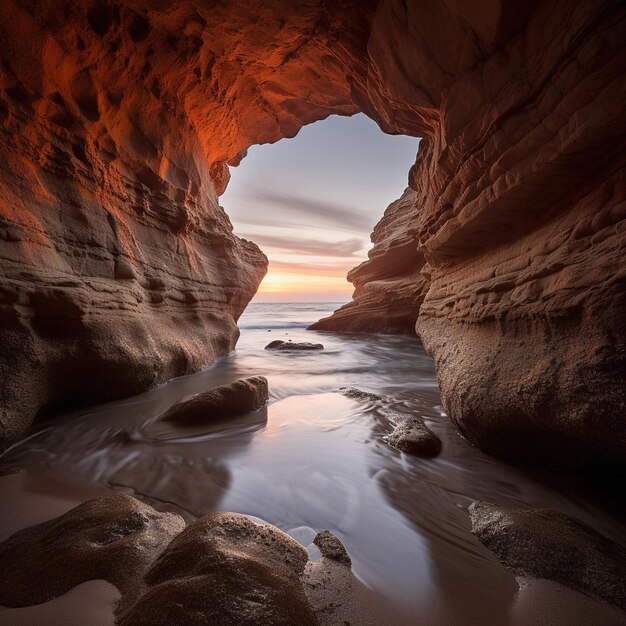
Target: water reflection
(315,459)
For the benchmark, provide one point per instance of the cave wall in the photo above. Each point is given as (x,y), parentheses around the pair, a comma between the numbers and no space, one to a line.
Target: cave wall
(119,268)
(517,219)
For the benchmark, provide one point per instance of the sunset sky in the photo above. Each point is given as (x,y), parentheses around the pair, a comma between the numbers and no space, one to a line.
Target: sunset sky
(311,203)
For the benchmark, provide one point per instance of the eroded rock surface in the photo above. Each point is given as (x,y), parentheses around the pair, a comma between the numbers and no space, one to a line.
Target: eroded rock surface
(242,396)
(547,544)
(286,346)
(412,436)
(118,122)
(114,538)
(516,223)
(225,569)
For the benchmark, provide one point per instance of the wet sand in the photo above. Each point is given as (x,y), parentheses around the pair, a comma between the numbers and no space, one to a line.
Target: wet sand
(90,604)
(314,459)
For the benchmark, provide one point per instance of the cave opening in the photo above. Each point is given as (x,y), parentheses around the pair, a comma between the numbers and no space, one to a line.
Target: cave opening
(416,462)
(312,201)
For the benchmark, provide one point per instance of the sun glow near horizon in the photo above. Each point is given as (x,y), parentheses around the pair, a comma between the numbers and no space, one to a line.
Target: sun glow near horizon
(284,286)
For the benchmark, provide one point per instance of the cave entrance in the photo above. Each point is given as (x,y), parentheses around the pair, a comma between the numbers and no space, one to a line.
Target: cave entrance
(311,202)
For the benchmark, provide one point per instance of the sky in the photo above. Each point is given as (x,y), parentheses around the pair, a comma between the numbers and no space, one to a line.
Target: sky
(311,202)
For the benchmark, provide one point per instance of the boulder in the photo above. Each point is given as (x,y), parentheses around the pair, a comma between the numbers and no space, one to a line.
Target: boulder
(412,436)
(114,538)
(225,569)
(242,396)
(541,543)
(331,547)
(292,345)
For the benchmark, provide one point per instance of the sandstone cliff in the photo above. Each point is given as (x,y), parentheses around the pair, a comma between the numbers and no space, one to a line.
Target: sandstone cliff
(119,120)
(518,222)
(119,267)
(389,286)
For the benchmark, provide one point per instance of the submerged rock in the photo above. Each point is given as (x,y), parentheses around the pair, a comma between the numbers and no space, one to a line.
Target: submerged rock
(114,538)
(358,394)
(242,396)
(547,544)
(331,547)
(225,569)
(292,345)
(414,437)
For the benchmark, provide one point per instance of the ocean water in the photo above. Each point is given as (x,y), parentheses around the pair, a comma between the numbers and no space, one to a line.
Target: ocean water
(315,459)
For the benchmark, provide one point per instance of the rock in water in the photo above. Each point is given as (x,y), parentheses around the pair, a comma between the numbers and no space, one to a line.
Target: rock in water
(225,569)
(331,547)
(114,538)
(358,394)
(291,345)
(548,544)
(242,396)
(414,437)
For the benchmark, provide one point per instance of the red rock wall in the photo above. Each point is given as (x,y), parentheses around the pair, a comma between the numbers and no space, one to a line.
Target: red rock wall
(118,121)
(519,214)
(119,268)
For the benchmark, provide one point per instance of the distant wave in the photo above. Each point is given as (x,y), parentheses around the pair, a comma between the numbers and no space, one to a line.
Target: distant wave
(254,325)
(284,315)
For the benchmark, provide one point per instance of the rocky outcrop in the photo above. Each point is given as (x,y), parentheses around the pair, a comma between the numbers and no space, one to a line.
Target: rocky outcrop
(548,544)
(114,538)
(522,228)
(236,398)
(517,217)
(287,346)
(389,286)
(412,436)
(118,123)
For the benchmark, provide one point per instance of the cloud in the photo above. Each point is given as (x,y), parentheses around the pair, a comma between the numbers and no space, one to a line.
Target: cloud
(315,247)
(331,269)
(295,210)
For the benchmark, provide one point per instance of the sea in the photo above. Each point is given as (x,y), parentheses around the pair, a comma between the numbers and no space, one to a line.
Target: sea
(316,459)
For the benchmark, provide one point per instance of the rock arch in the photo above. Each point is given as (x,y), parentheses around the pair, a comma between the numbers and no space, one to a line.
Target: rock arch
(118,120)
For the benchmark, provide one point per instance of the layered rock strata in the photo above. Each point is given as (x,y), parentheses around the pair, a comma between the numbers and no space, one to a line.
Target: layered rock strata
(119,119)
(389,287)
(517,218)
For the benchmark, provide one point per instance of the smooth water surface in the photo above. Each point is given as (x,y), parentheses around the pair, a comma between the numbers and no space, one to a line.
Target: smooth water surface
(315,459)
